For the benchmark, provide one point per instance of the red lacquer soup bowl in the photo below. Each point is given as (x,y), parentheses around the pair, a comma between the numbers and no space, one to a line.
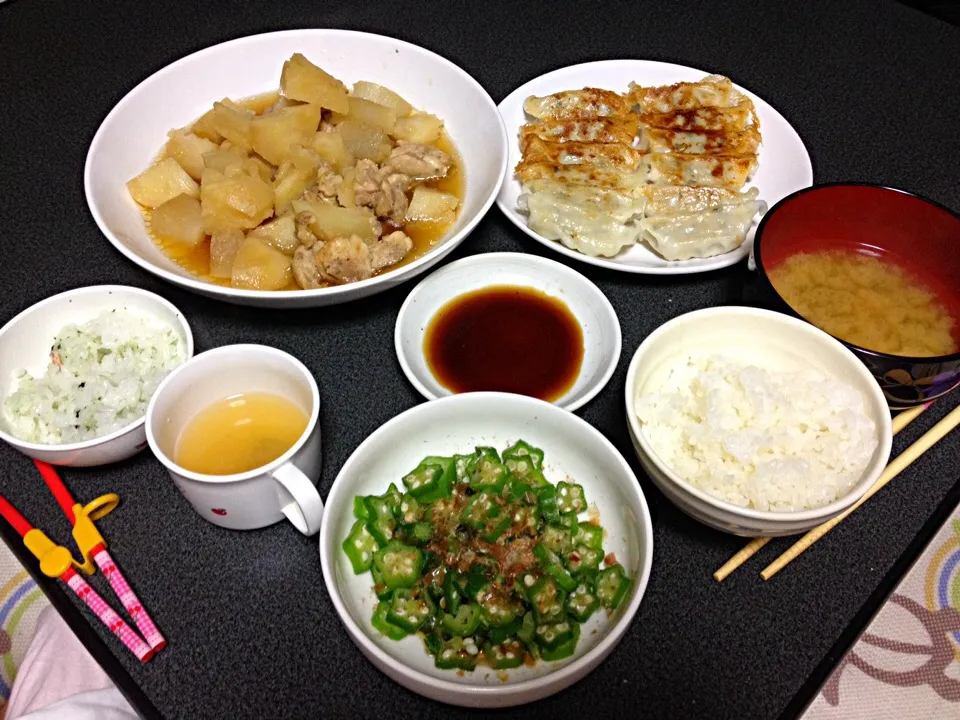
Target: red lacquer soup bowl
(919,235)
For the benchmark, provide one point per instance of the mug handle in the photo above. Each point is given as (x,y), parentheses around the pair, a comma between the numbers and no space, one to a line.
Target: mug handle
(306,509)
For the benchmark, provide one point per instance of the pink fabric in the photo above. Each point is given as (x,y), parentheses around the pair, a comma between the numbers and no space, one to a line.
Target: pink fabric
(129,599)
(55,667)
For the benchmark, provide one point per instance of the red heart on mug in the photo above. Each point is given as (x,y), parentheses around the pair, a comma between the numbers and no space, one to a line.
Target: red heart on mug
(218,511)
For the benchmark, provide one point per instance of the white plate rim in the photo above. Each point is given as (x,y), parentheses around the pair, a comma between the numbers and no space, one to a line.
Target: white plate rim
(358,289)
(534,261)
(681,267)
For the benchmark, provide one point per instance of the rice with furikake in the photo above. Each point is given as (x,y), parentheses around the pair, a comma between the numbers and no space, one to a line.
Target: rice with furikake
(99,379)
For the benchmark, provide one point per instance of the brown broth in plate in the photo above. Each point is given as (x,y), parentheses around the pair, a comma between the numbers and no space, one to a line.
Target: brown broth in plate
(505,338)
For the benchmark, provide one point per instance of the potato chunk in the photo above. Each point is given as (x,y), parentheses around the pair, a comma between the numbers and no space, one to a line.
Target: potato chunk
(382,96)
(162,182)
(257,266)
(233,122)
(237,200)
(330,221)
(331,148)
(304,81)
(178,219)
(272,134)
(364,141)
(224,245)
(420,128)
(280,234)
(432,205)
(188,149)
(369,113)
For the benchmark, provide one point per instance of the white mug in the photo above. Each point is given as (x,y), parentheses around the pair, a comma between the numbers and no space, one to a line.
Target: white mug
(254,499)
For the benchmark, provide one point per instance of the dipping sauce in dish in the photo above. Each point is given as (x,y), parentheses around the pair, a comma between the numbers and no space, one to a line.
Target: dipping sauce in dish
(868,301)
(505,338)
(240,433)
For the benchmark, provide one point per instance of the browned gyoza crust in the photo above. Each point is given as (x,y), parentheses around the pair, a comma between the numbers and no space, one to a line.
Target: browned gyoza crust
(715,119)
(665,165)
(577,105)
(623,166)
(598,130)
(712,91)
(744,142)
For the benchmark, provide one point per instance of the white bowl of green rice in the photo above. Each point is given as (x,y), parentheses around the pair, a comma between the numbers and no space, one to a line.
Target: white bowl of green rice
(77,371)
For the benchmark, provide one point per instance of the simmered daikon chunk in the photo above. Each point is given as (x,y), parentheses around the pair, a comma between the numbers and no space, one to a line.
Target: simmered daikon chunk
(220,160)
(224,245)
(294,176)
(346,193)
(188,149)
(233,122)
(331,148)
(280,234)
(420,128)
(204,128)
(162,182)
(330,221)
(432,205)
(364,141)
(369,113)
(235,200)
(273,133)
(257,266)
(258,167)
(178,219)
(304,81)
(382,96)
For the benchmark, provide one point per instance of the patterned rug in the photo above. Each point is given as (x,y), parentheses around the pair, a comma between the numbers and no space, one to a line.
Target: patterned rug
(906,666)
(20,603)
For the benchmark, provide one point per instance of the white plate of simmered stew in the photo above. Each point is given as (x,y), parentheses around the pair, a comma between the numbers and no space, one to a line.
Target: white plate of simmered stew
(298,168)
(645,167)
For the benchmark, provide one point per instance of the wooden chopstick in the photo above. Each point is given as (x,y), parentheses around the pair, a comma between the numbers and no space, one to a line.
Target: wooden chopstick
(907,417)
(747,552)
(903,460)
(751,548)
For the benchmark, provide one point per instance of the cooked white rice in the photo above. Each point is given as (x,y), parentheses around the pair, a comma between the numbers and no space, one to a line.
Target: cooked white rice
(109,368)
(766,440)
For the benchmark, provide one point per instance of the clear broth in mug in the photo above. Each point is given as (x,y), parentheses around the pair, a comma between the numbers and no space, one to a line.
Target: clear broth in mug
(239,433)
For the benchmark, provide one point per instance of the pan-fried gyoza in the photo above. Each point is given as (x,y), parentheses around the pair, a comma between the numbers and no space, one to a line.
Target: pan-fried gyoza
(665,166)
(625,161)
(583,104)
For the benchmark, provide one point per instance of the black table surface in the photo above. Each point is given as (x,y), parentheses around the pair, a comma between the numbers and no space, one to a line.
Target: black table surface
(869,85)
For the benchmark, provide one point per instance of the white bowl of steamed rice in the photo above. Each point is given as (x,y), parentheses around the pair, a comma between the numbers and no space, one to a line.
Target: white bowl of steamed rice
(77,371)
(753,422)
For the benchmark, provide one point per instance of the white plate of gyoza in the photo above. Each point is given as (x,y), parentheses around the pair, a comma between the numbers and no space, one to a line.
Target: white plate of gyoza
(644,166)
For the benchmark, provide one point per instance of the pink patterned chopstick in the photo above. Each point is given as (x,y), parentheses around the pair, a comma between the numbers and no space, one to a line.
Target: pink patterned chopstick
(129,599)
(107,616)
